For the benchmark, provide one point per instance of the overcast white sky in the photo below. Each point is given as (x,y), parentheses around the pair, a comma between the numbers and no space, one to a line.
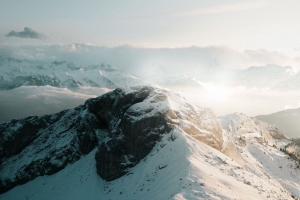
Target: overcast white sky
(250,24)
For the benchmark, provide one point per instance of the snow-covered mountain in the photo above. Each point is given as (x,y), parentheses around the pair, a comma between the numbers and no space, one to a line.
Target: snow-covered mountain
(16,73)
(21,76)
(287,121)
(144,143)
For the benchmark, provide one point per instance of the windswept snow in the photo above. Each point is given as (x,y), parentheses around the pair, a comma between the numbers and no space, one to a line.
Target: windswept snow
(179,167)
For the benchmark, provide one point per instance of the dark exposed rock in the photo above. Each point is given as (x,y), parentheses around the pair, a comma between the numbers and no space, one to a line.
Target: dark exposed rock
(124,124)
(36,146)
(26,132)
(132,133)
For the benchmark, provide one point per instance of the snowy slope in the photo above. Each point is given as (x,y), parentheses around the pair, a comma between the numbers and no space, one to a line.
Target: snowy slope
(181,169)
(260,146)
(239,124)
(187,161)
(137,116)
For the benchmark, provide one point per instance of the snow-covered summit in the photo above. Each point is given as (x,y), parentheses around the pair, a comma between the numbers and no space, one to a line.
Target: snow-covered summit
(123,124)
(143,143)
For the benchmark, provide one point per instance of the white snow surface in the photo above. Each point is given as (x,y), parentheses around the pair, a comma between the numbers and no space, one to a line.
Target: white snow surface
(181,169)
(180,166)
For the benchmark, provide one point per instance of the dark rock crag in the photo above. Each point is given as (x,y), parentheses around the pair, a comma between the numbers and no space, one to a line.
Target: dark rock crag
(37,146)
(123,125)
(131,133)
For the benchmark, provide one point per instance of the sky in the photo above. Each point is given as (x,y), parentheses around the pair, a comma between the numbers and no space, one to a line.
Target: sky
(148,37)
(271,25)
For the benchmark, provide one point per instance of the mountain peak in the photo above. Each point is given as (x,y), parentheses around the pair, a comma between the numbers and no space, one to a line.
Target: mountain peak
(124,124)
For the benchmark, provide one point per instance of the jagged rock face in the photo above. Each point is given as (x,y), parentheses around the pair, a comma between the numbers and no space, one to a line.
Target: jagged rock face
(36,146)
(137,119)
(133,126)
(124,124)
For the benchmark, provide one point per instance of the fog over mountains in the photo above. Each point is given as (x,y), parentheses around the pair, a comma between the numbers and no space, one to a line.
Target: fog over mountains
(255,90)
(150,100)
(153,133)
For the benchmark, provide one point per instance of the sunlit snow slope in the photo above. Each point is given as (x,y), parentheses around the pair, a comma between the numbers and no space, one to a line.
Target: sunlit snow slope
(187,162)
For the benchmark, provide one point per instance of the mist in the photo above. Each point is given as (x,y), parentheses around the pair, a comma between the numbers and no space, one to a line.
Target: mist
(131,58)
(35,101)
(252,102)
(226,75)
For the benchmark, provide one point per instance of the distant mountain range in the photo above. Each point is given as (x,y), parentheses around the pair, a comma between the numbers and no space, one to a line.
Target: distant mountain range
(287,121)
(141,139)
(15,73)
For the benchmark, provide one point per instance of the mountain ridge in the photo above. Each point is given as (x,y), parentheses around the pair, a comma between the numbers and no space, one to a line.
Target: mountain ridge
(145,139)
(136,116)
(287,121)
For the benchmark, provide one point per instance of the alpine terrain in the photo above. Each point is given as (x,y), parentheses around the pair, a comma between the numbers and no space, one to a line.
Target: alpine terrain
(287,121)
(16,73)
(144,142)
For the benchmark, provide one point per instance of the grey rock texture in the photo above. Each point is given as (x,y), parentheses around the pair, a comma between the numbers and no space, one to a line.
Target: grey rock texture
(124,125)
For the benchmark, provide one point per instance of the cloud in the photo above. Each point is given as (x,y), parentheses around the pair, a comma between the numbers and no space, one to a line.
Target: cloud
(221,9)
(224,100)
(197,11)
(27,33)
(32,100)
(188,60)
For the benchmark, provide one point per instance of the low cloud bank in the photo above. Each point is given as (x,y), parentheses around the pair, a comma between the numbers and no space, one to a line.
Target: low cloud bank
(28,101)
(25,101)
(155,65)
(133,59)
(252,102)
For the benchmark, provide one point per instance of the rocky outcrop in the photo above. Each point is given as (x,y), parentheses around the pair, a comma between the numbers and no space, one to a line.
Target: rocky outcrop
(134,126)
(124,125)
(36,146)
